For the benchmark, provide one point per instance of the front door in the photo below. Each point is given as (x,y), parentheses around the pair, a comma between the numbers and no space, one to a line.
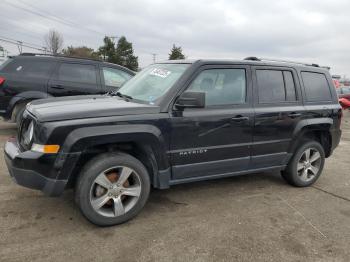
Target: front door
(214,140)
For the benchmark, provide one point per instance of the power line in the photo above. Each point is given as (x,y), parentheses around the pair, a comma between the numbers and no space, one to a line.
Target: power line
(11,39)
(64,20)
(21,33)
(20,44)
(43,11)
(54,18)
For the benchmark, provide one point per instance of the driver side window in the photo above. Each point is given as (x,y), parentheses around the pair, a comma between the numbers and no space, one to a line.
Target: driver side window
(221,86)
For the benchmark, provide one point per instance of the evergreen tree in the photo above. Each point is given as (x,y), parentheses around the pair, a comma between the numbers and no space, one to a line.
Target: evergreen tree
(107,51)
(125,54)
(122,54)
(176,53)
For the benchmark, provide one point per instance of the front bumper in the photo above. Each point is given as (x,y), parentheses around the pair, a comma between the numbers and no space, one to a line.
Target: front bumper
(27,169)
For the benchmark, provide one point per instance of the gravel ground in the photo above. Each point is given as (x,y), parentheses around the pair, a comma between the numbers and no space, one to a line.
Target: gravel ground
(248,218)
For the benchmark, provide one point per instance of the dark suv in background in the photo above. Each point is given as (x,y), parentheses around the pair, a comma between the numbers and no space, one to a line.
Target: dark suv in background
(178,122)
(31,76)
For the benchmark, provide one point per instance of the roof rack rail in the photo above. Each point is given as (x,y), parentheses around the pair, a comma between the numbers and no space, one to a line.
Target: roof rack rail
(58,55)
(253,58)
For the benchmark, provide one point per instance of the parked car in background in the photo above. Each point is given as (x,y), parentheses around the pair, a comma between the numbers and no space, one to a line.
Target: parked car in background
(344,96)
(343,92)
(336,79)
(178,122)
(28,77)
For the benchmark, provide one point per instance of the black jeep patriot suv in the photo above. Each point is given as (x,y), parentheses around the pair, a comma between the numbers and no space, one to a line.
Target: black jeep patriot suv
(177,122)
(33,76)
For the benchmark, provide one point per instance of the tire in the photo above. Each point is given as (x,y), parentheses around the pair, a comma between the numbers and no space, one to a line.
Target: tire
(125,198)
(295,174)
(19,113)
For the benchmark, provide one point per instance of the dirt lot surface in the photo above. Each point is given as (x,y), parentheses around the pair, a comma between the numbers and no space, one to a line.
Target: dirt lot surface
(248,218)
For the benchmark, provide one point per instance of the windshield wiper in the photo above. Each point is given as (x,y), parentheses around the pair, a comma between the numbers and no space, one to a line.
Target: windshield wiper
(118,94)
(123,96)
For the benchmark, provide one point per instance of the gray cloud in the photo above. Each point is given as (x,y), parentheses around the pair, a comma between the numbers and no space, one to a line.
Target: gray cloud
(310,31)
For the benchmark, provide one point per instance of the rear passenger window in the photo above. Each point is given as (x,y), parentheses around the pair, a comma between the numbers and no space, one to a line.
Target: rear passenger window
(29,68)
(77,73)
(316,87)
(275,86)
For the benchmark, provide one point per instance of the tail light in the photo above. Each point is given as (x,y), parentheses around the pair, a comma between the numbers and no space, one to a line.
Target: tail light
(2,80)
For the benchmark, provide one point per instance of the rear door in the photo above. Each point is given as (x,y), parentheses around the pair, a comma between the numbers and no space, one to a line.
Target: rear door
(75,79)
(278,109)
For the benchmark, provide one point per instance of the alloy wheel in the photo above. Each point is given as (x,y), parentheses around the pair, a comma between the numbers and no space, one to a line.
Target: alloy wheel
(115,191)
(309,164)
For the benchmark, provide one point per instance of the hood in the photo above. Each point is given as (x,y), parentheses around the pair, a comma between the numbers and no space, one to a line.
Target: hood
(76,107)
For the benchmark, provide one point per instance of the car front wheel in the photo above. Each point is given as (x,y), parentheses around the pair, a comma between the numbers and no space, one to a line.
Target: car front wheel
(112,188)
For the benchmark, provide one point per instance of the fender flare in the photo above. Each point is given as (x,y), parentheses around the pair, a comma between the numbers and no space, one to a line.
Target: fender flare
(147,136)
(316,124)
(24,96)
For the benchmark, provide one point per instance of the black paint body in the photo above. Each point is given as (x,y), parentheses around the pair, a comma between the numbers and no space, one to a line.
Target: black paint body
(19,88)
(177,146)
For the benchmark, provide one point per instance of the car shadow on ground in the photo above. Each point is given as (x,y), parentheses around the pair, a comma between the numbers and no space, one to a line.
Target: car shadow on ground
(167,201)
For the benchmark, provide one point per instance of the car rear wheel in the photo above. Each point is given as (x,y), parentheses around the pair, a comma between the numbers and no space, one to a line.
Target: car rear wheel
(112,188)
(306,165)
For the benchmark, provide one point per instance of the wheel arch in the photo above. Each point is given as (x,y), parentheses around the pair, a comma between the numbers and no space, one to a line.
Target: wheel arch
(313,129)
(143,142)
(21,98)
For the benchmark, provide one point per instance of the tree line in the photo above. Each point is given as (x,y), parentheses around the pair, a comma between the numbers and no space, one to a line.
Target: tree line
(121,53)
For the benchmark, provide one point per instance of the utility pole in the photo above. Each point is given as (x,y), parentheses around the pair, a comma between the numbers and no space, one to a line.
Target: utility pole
(154,58)
(20,46)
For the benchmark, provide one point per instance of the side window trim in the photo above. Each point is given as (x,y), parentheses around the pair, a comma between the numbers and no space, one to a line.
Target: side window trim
(56,75)
(285,85)
(297,86)
(198,71)
(304,88)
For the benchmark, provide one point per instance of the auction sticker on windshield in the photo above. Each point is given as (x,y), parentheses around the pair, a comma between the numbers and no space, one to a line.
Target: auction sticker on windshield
(163,73)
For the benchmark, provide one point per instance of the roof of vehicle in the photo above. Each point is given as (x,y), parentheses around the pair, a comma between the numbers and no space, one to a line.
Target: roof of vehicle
(46,57)
(251,61)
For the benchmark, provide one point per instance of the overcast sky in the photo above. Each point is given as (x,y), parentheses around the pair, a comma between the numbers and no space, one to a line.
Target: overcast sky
(315,31)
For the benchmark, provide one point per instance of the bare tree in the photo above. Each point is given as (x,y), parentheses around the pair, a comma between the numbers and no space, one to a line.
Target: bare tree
(54,41)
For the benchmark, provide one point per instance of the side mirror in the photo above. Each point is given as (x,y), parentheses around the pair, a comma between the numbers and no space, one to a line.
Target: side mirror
(191,99)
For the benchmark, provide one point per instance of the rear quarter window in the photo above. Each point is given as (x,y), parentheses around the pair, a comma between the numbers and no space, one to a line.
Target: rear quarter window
(316,87)
(29,68)
(5,63)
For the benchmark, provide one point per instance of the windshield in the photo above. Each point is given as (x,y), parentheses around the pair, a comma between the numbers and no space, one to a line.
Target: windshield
(153,81)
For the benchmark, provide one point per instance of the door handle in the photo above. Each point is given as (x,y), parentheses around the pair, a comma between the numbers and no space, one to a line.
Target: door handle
(57,87)
(294,115)
(239,118)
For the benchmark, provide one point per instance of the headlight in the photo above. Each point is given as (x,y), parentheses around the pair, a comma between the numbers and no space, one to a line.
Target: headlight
(28,134)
